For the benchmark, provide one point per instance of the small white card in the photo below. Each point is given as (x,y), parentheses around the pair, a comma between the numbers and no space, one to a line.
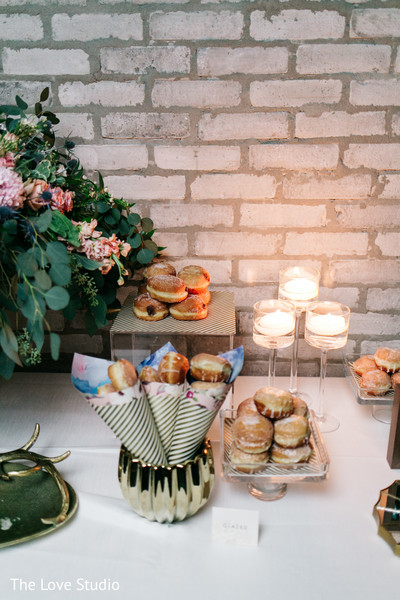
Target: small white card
(235,526)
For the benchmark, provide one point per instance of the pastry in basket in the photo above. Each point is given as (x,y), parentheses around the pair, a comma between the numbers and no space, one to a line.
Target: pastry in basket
(289,456)
(160,268)
(247,463)
(273,402)
(105,389)
(252,433)
(149,309)
(376,382)
(211,387)
(196,278)
(364,364)
(246,407)
(167,288)
(148,374)
(208,367)
(395,379)
(122,374)
(388,359)
(300,407)
(191,309)
(173,368)
(205,296)
(291,431)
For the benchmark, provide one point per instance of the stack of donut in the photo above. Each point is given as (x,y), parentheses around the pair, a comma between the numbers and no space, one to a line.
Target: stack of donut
(271,426)
(378,372)
(184,296)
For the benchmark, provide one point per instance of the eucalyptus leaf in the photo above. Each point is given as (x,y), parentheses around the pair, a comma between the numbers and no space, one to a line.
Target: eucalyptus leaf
(150,245)
(6,366)
(36,332)
(43,280)
(60,274)
(27,264)
(57,253)
(87,263)
(55,343)
(57,298)
(135,241)
(44,95)
(134,219)
(147,224)
(144,256)
(90,323)
(43,222)
(20,103)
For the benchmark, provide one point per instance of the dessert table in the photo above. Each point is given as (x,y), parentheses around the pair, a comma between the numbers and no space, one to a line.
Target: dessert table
(319,540)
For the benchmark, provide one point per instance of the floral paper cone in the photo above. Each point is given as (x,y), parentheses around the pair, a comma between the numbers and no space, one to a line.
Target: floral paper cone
(127,413)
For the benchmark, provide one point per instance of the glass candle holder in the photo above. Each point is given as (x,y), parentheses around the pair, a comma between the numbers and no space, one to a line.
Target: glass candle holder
(327,328)
(299,285)
(274,324)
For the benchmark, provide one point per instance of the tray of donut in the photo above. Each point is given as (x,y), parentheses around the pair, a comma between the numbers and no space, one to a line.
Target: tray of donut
(185,296)
(274,436)
(373,376)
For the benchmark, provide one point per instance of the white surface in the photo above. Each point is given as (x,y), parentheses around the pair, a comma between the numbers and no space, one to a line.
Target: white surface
(319,541)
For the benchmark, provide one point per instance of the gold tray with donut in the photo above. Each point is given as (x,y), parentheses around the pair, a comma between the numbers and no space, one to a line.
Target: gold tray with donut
(363,397)
(270,480)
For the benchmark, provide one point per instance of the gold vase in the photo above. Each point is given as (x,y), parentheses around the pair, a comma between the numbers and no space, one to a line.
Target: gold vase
(167,493)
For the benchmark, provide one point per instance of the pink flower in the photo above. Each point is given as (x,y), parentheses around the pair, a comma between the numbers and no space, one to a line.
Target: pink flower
(11,188)
(60,200)
(126,248)
(7,160)
(87,230)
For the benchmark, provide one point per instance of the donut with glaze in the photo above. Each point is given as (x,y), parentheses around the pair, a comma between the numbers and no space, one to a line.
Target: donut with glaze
(167,288)
(122,374)
(105,389)
(291,431)
(375,382)
(205,296)
(289,456)
(173,368)
(160,268)
(208,367)
(149,309)
(364,364)
(196,278)
(246,407)
(245,462)
(252,433)
(191,309)
(273,403)
(387,359)
(300,407)
(148,374)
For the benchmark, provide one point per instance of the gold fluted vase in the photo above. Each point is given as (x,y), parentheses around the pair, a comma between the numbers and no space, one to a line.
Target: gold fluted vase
(167,493)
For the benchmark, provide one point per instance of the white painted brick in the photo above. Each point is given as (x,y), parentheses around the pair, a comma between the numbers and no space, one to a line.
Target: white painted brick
(343,58)
(248,295)
(220,270)
(297,92)
(297,25)
(105,93)
(197,158)
(145,1)
(251,61)
(145,125)
(312,187)
(373,156)
(346,295)
(374,324)
(170,216)
(391,190)
(388,243)
(370,347)
(85,27)
(85,343)
(201,94)
(112,157)
(235,186)
(397,63)
(294,156)
(355,216)
(139,187)
(379,299)
(43,2)
(369,271)
(75,125)
(43,61)
(231,243)
(28,90)
(375,92)
(176,243)
(205,25)
(375,23)
(396,124)
(140,59)
(242,126)
(340,123)
(27,28)
(265,216)
(267,271)
(329,244)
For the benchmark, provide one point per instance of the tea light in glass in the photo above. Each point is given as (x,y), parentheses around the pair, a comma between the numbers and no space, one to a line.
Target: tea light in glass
(274,323)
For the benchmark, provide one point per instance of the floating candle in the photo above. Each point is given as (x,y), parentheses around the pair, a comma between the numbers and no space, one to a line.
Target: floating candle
(300,288)
(326,324)
(275,324)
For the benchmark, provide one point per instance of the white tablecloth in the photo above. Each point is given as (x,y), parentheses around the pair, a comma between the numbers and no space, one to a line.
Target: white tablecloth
(320,540)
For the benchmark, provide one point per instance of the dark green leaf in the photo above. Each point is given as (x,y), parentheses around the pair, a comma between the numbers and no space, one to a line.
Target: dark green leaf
(101,181)
(103,207)
(6,366)
(42,170)
(10,110)
(144,256)
(55,343)
(40,256)
(69,311)
(150,245)
(147,224)
(60,274)
(57,253)
(11,227)
(87,263)
(44,94)
(7,303)
(43,222)
(51,117)
(57,298)
(133,219)
(38,109)
(20,103)
(43,280)
(90,323)
(99,312)
(26,263)
(135,241)
(61,225)
(36,332)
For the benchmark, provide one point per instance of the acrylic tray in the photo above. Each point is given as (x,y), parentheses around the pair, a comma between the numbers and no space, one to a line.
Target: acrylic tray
(362,396)
(271,482)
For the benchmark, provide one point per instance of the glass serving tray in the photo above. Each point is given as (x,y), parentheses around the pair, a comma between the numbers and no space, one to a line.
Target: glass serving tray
(270,482)
(362,396)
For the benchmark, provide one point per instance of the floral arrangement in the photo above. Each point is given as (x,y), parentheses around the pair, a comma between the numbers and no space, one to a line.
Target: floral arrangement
(65,242)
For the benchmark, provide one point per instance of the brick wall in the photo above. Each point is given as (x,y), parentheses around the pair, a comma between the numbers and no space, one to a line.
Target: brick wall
(255,134)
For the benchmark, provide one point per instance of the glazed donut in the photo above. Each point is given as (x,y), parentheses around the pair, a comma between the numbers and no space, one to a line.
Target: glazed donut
(375,382)
(273,402)
(364,364)
(252,433)
(190,309)
(213,388)
(395,379)
(148,374)
(142,289)
(167,288)
(173,368)
(122,374)
(245,462)
(160,268)
(246,407)
(300,407)
(205,296)
(207,367)
(195,277)
(105,389)
(289,456)
(292,431)
(147,308)
(387,359)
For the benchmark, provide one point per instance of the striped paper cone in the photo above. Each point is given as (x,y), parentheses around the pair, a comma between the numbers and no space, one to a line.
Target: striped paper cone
(164,400)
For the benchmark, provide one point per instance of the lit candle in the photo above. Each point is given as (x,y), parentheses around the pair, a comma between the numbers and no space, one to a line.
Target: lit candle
(275,324)
(300,288)
(326,324)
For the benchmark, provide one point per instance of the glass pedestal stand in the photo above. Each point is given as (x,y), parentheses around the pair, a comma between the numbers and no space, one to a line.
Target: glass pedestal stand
(294,362)
(383,414)
(267,491)
(326,422)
